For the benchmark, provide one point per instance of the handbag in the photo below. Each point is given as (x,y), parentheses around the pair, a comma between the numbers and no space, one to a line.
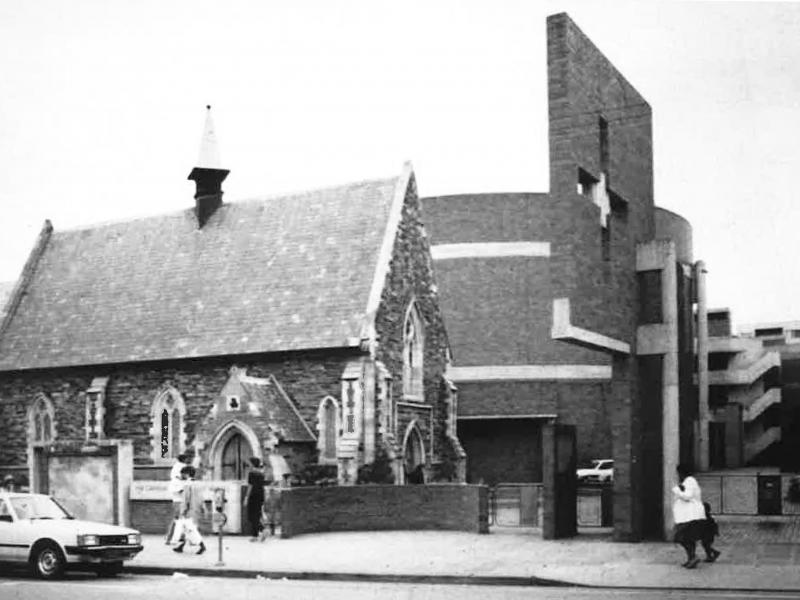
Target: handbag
(182,527)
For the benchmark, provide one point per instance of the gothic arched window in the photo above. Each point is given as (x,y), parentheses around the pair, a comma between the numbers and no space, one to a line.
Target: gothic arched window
(413,353)
(328,427)
(41,420)
(167,431)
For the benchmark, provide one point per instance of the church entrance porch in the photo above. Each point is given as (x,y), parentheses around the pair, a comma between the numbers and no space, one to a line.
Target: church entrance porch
(236,457)
(230,451)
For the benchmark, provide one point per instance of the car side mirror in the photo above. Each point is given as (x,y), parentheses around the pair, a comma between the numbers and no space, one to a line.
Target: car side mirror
(6,519)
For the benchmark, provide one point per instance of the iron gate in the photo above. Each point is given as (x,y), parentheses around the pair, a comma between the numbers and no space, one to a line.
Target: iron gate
(515,505)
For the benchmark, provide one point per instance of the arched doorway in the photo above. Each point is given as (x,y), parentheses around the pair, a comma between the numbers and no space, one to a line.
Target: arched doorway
(236,455)
(414,456)
(231,449)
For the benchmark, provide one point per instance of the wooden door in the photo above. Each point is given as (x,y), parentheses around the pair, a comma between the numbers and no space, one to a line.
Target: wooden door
(236,458)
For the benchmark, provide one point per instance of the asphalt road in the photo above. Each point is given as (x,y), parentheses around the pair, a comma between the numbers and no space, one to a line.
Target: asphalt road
(89,587)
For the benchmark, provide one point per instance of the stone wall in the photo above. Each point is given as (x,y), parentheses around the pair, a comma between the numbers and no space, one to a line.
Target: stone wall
(306,378)
(410,278)
(385,507)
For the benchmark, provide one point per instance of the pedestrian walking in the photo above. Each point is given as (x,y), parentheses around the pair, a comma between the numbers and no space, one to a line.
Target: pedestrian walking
(271,513)
(175,489)
(254,497)
(190,513)
(710,531)
(689,514)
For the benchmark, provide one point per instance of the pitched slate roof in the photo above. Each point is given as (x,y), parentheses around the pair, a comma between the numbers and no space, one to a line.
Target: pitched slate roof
(281,414)
(284,273)
(5,292)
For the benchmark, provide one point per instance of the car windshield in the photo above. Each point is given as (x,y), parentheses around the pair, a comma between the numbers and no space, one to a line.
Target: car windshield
(38,507)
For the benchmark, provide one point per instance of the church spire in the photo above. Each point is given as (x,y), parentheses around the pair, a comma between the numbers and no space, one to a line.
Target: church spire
(208,174)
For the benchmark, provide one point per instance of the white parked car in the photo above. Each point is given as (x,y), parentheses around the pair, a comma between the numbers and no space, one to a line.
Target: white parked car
(36,530)
(602,469)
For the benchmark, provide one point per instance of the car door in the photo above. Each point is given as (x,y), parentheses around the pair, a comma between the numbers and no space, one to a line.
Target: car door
(22,528)
(6,531)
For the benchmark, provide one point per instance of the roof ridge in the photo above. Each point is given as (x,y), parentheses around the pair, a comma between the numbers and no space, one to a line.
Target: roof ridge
(329,188)
(252,199)
(254,380)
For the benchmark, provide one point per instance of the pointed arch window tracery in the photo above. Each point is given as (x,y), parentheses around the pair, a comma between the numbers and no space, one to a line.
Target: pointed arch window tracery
(167,432)
(328,426)
(413,355)
(41,420)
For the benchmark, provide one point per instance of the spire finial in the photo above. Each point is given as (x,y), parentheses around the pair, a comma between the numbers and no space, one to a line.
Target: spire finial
(208,158)
(208,174)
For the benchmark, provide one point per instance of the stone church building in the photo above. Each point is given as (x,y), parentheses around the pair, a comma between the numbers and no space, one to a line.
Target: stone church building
(305,327)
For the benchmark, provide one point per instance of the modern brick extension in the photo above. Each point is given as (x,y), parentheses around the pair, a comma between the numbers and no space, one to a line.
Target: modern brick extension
(576,305)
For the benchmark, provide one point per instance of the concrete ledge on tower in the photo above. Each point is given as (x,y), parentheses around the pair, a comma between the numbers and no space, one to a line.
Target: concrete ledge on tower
(563,330)
(653,338)
(527,372)
(489,250)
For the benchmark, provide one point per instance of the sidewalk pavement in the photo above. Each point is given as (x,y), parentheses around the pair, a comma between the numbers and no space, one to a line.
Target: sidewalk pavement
(503,557)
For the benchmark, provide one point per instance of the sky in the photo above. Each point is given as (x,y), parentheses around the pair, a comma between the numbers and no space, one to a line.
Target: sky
(102,104)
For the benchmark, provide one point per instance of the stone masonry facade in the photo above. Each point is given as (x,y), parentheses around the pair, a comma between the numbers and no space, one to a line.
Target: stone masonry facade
(132,389)
(306,376)
(411,278)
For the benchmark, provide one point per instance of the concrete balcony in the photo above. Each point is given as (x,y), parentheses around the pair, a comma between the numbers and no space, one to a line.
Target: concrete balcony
(762,403)
(757,445)
(732,345)
(745,375)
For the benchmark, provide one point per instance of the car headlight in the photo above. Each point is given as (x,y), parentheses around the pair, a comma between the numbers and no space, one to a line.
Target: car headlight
(134,539)
(88,540)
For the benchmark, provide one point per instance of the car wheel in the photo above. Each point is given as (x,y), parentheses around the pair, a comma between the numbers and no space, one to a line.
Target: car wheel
(47,562)
(111,569)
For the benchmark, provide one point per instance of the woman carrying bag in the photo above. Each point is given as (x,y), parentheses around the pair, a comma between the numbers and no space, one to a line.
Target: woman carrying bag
(192,506)
(689,515)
